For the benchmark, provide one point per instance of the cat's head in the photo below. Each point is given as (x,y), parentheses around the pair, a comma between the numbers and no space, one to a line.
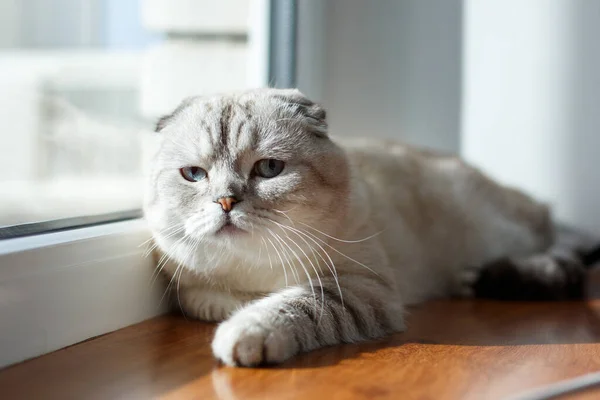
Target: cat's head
(232,169)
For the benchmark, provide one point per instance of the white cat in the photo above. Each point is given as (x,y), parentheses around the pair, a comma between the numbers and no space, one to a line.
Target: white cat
(298,241)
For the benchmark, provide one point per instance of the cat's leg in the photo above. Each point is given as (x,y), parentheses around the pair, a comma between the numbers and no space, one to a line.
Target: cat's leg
(558,273)
(519,252)
(298,319)
(208,304)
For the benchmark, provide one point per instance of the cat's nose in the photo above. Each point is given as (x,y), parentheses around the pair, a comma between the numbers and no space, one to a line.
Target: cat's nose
(227,202)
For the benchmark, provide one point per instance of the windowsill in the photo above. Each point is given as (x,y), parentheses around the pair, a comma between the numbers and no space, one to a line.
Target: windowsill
(61,288)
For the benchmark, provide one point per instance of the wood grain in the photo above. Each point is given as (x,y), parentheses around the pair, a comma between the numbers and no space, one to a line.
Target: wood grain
(452,350)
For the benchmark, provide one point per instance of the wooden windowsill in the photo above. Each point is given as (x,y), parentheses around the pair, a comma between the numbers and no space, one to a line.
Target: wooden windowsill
(452,350)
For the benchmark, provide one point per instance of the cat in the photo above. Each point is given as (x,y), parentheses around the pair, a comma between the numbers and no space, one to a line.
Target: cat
(296,240)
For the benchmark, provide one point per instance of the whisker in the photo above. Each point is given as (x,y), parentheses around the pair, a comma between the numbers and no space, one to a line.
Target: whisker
(167,229)
(282,263)
(314,269)
(167,236)
(285,215)
(342,240)
(165,258)
(331,267)
(342,254)
(286,254)
(179,298)
(302,265)
(282,226)
(267,251)
(169,285)
(179,270)
(191,253)
(259,255)
(306,233)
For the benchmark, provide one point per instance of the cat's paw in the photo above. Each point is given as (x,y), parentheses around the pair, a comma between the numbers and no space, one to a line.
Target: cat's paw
(539,277)
(249,342)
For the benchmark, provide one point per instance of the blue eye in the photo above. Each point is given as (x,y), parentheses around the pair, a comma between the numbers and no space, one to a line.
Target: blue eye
(193,174)
(268,168)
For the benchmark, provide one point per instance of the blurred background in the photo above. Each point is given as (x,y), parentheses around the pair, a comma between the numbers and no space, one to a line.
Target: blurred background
(509,84)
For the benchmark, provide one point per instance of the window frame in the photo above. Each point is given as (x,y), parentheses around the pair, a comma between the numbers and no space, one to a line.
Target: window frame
(52,272)
(64,224)
(60,288)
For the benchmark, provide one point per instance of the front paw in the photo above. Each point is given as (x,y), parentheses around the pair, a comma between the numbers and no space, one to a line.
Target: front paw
(249,342)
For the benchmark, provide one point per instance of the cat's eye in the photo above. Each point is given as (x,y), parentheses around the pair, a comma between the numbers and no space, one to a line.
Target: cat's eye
(193,174)
(268,168)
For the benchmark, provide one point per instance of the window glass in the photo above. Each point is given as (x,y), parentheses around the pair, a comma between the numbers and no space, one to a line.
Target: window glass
(82,83)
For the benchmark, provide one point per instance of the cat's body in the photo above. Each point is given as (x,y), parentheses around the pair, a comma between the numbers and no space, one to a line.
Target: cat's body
(332,247)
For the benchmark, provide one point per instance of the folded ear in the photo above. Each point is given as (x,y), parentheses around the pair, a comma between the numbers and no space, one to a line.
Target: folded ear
(164,120)
(312,113)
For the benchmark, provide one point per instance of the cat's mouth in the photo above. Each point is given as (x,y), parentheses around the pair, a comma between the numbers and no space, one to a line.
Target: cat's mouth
(230,229)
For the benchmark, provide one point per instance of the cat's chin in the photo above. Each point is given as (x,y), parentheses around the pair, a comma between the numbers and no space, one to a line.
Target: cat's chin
(230,230)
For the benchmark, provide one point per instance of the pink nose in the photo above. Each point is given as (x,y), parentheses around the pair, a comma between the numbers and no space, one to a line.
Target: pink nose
(227,203)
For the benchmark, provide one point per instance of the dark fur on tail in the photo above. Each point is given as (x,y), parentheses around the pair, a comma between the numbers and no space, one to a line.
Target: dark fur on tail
(558,274)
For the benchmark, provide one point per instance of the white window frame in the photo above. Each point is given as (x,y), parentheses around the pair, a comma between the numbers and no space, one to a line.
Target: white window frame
(61,288)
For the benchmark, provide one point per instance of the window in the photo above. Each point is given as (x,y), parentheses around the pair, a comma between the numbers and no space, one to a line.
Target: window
(82,83)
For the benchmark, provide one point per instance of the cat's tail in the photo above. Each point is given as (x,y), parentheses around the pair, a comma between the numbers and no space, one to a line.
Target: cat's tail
(560,273)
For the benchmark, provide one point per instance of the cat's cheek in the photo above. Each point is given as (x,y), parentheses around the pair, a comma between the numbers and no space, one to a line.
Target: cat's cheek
(246,342)
(279,187)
